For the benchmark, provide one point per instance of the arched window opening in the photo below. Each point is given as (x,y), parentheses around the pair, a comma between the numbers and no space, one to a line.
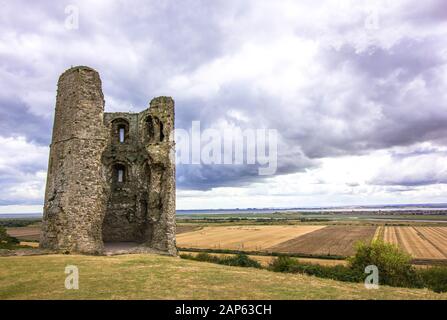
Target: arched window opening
(150,132)
(154,129)
(119,173)
(122,133)
(162,136)
(143,208)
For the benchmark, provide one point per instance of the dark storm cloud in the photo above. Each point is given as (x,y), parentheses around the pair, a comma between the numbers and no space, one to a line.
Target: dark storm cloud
(17,120)
(205,177)
(260,109)
(384,85)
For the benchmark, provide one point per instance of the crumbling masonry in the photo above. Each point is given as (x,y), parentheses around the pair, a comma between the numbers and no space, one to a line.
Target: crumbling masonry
(110,175)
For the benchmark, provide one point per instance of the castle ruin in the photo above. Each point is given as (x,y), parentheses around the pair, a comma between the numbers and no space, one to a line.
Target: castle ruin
(110,175)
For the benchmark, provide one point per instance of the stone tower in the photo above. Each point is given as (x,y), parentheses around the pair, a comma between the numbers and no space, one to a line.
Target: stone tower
(110,175)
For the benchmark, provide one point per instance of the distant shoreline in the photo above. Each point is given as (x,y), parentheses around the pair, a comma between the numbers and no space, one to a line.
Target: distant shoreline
(20,215)
(432,208)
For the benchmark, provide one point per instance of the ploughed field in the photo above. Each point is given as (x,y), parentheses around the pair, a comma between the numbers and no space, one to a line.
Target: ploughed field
(331,240)
(25,233)
(425,243)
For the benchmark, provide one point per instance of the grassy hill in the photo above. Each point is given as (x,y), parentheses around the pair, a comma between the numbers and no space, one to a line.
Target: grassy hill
(160,277)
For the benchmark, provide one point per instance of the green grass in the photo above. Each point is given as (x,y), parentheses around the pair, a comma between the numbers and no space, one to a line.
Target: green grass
(265,253)
(161,277)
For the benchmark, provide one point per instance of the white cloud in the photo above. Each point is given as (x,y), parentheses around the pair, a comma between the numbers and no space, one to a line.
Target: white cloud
(23,171)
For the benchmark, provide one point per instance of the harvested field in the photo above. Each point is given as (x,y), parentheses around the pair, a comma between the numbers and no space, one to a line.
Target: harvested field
(419,242)
(332,240)
(252,238)
(379,233)
(25,233)
(187,228)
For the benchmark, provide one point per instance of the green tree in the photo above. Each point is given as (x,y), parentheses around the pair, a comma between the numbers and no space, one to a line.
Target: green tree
(394,265)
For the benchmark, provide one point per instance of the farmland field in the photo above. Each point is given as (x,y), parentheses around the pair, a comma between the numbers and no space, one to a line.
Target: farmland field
(331,240)
(305,239)
(242,237)
(419,242)
(424,243)
(25,233)
(186,228)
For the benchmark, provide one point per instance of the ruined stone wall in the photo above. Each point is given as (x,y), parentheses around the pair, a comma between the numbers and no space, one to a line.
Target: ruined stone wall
(156,126)
(141,207)
(110,175)
(124,220)
(74,198)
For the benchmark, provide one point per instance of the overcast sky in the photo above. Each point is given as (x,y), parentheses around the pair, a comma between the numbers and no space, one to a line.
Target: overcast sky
(357,92)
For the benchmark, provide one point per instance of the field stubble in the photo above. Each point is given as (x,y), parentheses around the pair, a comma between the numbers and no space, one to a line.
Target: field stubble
(419,242)
(254,238)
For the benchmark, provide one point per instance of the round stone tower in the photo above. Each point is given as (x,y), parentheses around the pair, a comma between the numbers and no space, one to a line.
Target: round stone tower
(74,197)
